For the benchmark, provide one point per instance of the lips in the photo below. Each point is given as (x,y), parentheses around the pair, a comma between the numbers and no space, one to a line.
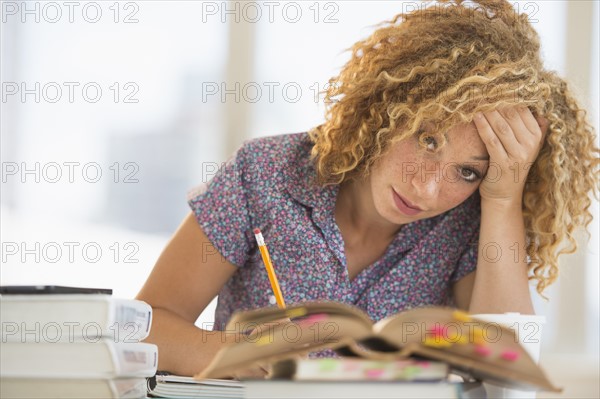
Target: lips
(405,206)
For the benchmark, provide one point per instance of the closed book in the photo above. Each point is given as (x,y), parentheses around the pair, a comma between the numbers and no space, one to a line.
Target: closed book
(72,317)
(357,369)
(255,389)
(72,388)
(165,385)
(101,359)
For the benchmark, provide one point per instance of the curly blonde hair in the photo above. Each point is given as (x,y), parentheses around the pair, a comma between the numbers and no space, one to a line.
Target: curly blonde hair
(442,64)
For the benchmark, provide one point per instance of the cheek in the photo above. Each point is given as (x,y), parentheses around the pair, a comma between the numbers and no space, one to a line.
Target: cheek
(404,167)
(393,167)
(454,193)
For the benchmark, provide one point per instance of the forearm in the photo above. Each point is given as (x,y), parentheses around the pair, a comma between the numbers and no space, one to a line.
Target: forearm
(501,283)
(183,348)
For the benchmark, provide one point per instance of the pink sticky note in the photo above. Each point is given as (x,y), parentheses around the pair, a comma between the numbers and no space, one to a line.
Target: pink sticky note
(313,318)
(439,331)
(510,355)
(374,373)
(482,350)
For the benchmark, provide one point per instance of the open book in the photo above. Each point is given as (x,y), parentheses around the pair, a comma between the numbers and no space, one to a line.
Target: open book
(482,350)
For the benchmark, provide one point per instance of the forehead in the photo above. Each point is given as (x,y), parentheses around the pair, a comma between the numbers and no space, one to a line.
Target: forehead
(464,138)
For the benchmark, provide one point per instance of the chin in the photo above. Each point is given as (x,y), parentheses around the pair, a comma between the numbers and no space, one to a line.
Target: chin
(393,216)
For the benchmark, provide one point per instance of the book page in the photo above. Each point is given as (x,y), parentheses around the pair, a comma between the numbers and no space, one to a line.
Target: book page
(486,350)
(284,340)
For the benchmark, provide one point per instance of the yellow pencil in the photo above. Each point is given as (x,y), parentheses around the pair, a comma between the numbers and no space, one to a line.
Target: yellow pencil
(264,252)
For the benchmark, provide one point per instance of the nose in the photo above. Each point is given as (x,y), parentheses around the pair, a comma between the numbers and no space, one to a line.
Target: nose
(428,182)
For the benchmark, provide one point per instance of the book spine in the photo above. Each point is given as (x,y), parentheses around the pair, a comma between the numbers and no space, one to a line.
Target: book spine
(129,320)
(134,359)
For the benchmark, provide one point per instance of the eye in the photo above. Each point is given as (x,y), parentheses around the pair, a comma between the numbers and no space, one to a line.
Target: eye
(469,175)
(430,142)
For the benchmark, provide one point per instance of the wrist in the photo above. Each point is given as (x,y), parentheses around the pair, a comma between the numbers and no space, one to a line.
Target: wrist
(502,204)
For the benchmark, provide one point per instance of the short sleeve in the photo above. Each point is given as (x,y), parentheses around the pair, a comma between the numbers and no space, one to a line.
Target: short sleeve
(221,209)
(467,262)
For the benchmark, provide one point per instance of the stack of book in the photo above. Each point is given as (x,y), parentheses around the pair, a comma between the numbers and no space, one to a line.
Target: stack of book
(65,342)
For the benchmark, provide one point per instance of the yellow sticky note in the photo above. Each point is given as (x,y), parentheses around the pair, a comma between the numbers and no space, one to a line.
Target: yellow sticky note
(264,340)
(461,316)
(478,336)
(457,338)
(436,342)
(293,313)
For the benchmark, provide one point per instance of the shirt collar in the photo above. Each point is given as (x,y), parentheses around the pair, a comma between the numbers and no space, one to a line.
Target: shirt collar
(301,180)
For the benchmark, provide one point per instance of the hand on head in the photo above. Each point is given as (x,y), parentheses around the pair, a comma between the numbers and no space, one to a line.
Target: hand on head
(513,137)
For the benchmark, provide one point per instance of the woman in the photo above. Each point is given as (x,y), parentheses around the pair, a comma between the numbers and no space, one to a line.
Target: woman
(449,169)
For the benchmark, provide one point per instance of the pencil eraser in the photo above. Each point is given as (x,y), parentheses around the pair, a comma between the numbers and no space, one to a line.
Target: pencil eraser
(257,231)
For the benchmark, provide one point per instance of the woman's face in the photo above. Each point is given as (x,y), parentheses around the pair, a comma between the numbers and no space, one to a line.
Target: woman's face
(410,183)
